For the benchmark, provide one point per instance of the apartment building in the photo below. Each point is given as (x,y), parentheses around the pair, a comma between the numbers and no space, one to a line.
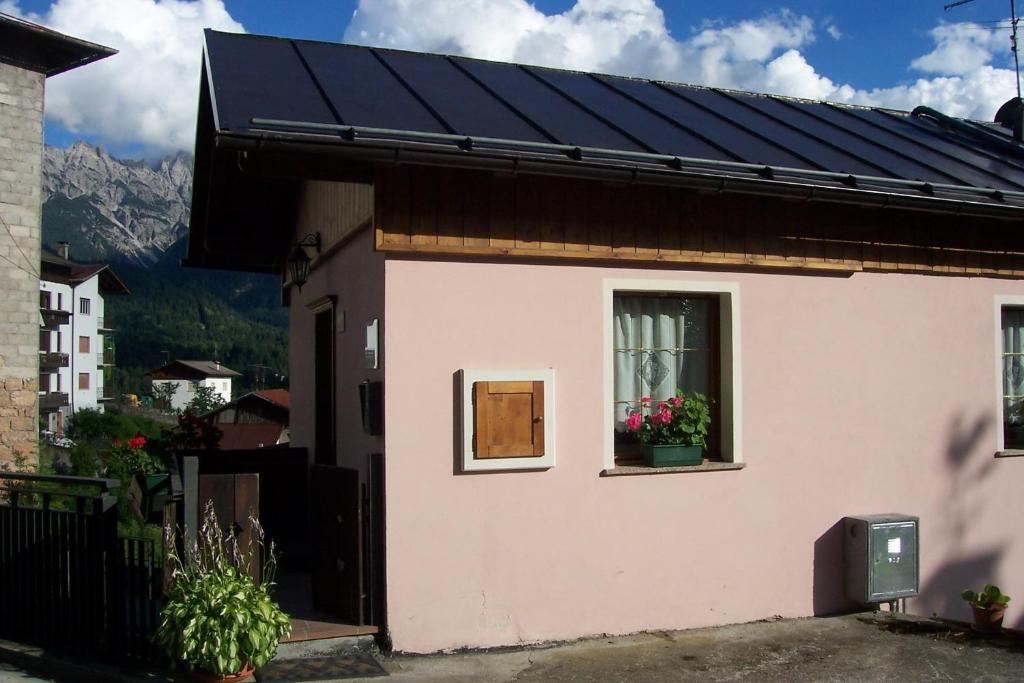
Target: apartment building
(76,345)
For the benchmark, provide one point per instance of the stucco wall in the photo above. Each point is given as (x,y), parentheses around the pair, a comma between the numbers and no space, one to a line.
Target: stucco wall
(21,149)
(862,394)
(355,276)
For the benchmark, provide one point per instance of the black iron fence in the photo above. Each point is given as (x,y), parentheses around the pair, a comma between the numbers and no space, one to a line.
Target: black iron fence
(69,582)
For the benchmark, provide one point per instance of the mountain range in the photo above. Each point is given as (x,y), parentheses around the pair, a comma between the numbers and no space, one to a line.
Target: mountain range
(134,216)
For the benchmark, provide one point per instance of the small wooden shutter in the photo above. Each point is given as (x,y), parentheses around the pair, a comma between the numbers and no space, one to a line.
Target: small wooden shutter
(509,419)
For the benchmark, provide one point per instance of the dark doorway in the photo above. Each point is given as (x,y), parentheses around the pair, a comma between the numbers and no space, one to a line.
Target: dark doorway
(337,526)
(325,440)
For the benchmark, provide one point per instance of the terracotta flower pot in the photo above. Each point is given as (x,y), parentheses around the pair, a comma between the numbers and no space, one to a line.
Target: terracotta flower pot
(207,677)
(989,619)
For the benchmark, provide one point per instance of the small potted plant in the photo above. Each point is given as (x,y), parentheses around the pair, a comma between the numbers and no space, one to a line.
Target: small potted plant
(217,619)
(672,432)
(989,607)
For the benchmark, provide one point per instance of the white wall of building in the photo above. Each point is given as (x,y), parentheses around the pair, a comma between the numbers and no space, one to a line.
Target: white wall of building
(186,389)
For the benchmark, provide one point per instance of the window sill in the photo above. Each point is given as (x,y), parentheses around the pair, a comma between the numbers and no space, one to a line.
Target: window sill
(1010,453)
(630,470)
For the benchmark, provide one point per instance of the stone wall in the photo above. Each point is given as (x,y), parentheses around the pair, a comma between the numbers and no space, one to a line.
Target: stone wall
(21,149)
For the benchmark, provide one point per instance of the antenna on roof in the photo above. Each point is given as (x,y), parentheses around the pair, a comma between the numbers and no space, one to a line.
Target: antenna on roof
(1011,114)
(1013,33)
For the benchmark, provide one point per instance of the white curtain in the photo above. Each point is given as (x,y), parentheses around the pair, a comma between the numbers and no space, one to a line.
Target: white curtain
(660,345)
(1013,364)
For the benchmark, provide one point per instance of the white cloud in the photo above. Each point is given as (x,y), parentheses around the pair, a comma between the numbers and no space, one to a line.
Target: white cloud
(833,31)
(147,93)
(960,49)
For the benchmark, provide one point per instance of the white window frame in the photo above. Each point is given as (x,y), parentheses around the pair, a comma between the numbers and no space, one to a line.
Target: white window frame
(731,363)
(467,378)
(1002,301)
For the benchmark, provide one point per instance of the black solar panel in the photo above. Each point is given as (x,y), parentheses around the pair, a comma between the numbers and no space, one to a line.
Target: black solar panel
(735,142)
(363,91)
(745,110)
(937,150)
(640,124)
(564,121)
(254,77)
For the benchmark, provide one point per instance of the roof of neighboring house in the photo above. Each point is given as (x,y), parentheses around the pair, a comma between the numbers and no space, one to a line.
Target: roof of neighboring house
(192,370)
(44,50)
(246,436)
(58,269)
(279,396)
(267,96)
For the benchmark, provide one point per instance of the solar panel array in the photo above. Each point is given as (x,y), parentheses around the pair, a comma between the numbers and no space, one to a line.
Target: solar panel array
(257,77)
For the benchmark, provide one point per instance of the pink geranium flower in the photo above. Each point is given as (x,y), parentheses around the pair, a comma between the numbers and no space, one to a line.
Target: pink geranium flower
(634,422)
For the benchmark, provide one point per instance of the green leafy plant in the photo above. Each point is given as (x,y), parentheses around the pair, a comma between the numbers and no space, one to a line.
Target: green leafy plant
(217,617)
(990,595)
(679,420)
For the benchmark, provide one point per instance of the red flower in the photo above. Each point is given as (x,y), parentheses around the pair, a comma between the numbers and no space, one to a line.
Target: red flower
(138,442)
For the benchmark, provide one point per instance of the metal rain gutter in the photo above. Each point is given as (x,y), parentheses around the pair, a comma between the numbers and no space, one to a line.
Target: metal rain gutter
(516,156)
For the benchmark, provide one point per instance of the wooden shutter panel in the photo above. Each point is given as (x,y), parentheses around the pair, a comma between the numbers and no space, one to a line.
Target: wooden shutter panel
(509,419)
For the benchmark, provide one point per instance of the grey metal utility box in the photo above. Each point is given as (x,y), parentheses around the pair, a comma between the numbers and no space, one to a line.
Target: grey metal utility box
(880,557)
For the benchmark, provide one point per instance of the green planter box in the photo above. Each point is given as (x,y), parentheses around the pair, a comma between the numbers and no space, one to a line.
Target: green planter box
(672,456)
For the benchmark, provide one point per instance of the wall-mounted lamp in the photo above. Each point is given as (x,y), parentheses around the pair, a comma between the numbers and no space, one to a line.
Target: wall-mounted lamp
(298,260)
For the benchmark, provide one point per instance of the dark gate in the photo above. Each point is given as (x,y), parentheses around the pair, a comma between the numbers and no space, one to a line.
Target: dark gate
(337,535)
(69,582)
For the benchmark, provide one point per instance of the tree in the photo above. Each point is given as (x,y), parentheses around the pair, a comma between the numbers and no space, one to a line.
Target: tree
(204,400)
(163,394)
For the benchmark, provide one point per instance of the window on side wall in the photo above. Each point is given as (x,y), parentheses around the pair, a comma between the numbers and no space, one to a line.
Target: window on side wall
(666,336)
(83,380)
(84,305)
(1012,375)
(663,343)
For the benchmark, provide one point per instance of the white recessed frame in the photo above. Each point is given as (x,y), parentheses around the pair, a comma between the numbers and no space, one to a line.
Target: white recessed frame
(468,378)
(1001,301)
(729,339)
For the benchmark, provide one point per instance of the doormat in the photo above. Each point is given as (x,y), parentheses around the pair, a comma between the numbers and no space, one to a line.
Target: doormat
(355,665)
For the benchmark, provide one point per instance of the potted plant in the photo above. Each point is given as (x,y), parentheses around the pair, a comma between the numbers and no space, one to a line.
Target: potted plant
(217,619)
(989,607)
(672,432)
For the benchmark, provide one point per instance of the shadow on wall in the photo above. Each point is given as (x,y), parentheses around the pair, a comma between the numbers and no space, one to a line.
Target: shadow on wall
(944,587)
(829,594)
(971,467)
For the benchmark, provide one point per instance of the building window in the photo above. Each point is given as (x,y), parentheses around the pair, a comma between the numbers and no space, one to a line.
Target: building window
(663,343)
(83,344)
(44,300)
(83,380)
(661,336)
(84,305)
(1012,375)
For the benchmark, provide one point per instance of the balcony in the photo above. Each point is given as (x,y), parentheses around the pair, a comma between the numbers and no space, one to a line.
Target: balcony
(101,325)
(53,318)
(51,401)
(51,360)
(105,357)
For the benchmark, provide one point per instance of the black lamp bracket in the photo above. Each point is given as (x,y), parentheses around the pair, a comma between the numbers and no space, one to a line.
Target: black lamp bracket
(310,240)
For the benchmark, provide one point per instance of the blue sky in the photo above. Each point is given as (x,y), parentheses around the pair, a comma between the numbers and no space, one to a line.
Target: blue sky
(882,53)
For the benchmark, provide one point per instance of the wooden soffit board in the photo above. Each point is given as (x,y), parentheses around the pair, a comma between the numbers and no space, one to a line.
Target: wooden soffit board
(436,211)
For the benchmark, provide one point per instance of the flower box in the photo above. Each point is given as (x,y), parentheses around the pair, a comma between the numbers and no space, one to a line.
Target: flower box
(672,455)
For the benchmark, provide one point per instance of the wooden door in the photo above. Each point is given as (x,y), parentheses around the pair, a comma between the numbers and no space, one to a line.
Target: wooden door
(337,535)
(235,497)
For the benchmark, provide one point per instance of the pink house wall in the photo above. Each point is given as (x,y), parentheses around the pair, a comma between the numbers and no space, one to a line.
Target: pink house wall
(873,393)
(355,276)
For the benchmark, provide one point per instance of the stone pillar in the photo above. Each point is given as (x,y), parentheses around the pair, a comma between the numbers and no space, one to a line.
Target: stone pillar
(21,159)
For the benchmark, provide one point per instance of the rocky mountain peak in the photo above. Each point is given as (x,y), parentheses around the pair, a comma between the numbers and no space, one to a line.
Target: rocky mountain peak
(112,209)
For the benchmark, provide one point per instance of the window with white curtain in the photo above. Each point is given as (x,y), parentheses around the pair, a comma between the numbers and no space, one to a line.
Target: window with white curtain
(663,342)
(1013,376)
